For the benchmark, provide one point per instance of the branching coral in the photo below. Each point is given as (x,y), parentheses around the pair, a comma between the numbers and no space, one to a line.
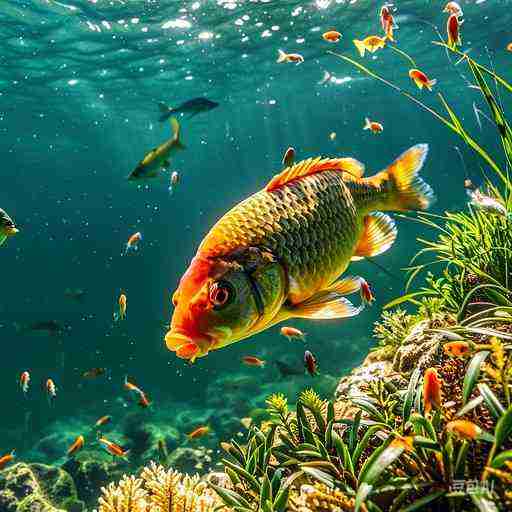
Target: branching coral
(320,498)
(159,490)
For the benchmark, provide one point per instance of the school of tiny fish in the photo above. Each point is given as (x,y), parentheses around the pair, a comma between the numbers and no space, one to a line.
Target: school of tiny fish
(242,280)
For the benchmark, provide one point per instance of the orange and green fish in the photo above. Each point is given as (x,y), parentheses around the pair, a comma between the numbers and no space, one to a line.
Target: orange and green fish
(279,254)
(7,226)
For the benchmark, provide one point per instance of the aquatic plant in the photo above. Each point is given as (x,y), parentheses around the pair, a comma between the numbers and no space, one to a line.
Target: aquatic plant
(159,490)
(393,327)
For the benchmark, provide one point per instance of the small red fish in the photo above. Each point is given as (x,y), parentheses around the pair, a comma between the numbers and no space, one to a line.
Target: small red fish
(133,243)
(453,31)
(310,363)
(4,460)
(296,58)
(76,446)
(373,126)
(24,382)
(112,448)
(421,79)
(366,293)
(332,36)
(131,387)
(103,421)
(292,333)
(51,390)
(432,392)
(253,361)
(199,432)
(387,21)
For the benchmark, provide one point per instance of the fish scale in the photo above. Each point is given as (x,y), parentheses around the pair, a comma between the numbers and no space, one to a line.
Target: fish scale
(312,225)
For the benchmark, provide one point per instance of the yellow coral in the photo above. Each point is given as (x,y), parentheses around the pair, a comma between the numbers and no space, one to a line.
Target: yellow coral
(159,490)
(320,498)
(127,496)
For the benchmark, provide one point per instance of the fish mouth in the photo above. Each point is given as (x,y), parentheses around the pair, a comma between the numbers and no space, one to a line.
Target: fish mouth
(11,231)
(187,347)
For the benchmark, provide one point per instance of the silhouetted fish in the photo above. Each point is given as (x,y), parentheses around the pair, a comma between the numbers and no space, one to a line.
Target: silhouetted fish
(192,107)
(286,370)
(50,327)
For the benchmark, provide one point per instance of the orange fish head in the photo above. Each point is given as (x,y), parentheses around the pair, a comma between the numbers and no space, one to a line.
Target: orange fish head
(221,300)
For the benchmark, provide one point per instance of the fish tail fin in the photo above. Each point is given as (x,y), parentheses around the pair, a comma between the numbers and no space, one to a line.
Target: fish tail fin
(367,124)
(176,130)
(281,56)
(165,111)
(361,48)
(431,84)
(405,189)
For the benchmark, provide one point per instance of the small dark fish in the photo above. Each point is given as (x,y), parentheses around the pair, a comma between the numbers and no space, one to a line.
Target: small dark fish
(94,373)
(310,363)
(286,370)
(192,107)
(75,294)
(49,327)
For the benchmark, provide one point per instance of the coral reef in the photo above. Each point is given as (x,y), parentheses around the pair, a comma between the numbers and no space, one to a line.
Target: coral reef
(31,487)
(159,490)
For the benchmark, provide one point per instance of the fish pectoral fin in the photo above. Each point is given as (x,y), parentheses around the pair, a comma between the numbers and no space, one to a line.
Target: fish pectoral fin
(378,236)
(326,305)
(346,286)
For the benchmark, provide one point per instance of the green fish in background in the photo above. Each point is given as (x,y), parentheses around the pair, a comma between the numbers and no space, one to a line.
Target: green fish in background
(159,157)
(7,227)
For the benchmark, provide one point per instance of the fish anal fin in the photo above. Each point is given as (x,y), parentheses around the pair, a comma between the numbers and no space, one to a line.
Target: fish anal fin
(326,305)
(378,235)
(313,166)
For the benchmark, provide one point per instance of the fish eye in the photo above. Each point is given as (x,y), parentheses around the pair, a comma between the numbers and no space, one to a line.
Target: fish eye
(221,293)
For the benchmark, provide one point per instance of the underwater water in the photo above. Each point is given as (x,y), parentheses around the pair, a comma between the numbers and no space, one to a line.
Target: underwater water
(80,82)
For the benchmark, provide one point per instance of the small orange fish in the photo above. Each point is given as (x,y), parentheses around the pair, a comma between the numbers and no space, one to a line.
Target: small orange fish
(373,126)
(175,179)
(369,44)
(121,313)
(199,432)
(93,373)
(387,21)
(292,333)
(76,446)
(24,382)
(464,429)
(4,460)
(431,390)
(457,348)
(453,8)
(297,58)
(509,47)
(253,361)
(133,243)
(332,36)
(113,448)
(366,292)
(453,31)
(103,421)
(51,390)
(421,79)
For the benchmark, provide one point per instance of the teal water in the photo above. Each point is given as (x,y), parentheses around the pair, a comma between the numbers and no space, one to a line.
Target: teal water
(79,86)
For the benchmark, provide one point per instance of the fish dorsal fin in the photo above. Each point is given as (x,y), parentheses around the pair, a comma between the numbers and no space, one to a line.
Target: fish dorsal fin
(312,166)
